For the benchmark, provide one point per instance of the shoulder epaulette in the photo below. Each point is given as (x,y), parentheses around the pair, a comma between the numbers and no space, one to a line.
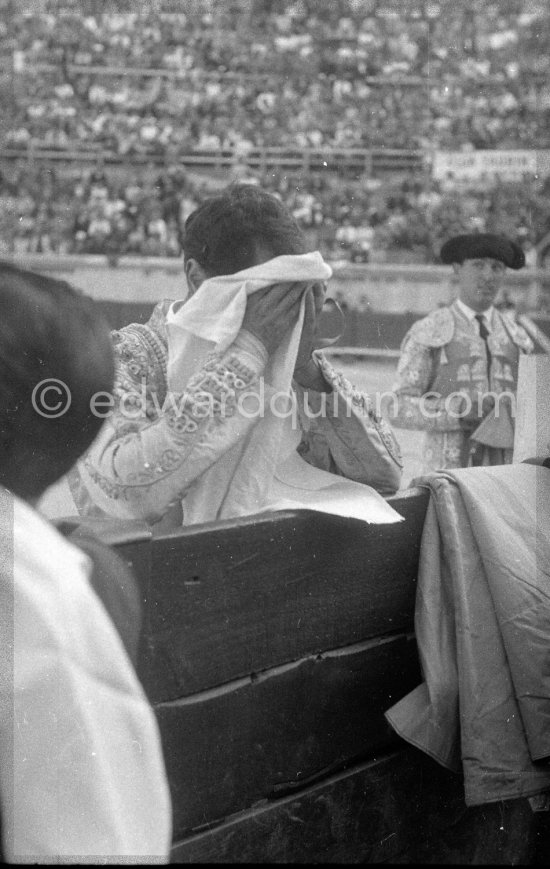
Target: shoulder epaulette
(435,330)
(157,320)
(148,340)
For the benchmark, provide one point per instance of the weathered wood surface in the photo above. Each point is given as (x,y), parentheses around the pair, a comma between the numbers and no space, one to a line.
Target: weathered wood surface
(255,593)
(399,808)
(271,648)
(254,739)
(363,816)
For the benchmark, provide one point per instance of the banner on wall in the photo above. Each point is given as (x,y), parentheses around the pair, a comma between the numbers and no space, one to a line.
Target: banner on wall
(475,164)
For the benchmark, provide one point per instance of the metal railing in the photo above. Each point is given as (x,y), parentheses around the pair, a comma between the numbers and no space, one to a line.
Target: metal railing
(305,159)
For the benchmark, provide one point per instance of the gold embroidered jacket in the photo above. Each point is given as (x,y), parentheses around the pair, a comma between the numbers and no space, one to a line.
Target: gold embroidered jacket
(153,447)
(443,358)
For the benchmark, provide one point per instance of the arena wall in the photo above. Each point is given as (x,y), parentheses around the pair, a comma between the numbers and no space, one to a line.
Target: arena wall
(380,300)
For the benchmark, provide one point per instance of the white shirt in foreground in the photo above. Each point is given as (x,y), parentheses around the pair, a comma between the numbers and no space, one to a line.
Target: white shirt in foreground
(82,777)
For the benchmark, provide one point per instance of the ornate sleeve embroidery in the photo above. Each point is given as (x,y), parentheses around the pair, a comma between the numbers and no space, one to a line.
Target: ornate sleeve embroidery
(156,444)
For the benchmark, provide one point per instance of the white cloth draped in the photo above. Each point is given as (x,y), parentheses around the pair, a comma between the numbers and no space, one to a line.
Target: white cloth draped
(260,472)
(82,775)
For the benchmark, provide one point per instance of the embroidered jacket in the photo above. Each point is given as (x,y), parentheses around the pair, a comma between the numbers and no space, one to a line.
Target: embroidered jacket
(154,446)
(443,358)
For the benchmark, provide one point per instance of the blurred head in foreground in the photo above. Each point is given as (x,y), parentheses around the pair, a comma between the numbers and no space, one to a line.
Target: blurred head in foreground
(55,355)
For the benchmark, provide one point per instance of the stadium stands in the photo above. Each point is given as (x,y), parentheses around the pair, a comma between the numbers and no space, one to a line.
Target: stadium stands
(156,81)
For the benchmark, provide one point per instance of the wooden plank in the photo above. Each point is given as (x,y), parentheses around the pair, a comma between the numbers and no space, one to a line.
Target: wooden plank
(399,808)
(228,600)
(261,737)
(362,816)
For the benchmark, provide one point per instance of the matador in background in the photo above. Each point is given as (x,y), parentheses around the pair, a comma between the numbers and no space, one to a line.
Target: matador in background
(458,369)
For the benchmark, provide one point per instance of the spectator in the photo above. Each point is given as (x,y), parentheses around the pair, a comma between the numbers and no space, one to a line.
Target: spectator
(322,75)
(324,101)
(82,776)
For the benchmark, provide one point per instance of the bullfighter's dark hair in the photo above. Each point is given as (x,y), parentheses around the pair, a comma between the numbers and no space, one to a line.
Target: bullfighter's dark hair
(225,231)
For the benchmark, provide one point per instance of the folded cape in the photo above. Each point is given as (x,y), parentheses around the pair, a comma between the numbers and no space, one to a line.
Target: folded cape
(495,431)
(482,624)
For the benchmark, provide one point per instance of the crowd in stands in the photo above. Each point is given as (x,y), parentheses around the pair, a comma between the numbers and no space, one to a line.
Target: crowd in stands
(154,80)
(115,212)
(239,75)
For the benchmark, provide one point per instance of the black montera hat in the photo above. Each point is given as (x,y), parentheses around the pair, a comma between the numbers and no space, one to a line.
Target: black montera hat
(483,244)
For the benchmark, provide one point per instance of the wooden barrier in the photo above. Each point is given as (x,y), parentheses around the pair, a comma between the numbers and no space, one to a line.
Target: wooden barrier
(271,647)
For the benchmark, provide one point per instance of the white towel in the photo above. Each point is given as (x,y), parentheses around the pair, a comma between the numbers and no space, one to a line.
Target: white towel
(259,472)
